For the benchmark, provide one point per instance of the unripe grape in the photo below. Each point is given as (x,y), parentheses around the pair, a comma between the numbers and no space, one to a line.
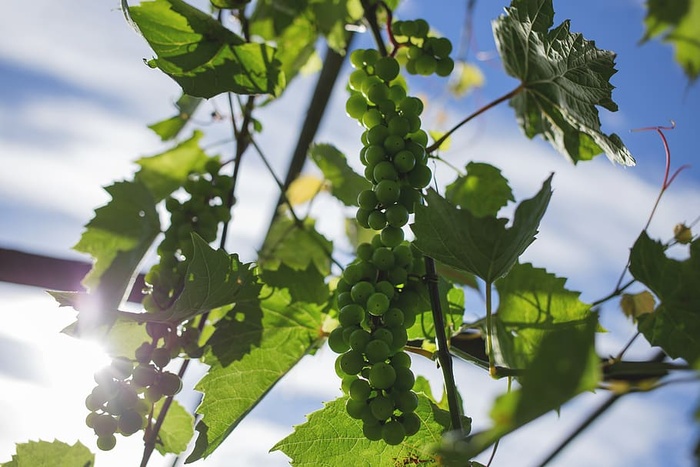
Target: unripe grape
(387,68)
(392,236)
(393,433)
(352,362)
(383,258)
(387,192)
(385,171)
(361,291)
(405,401)
(382,375)
(130,422)
(377,351)
(161,357)
(410,422)
(377,219)
(387,288)
(351,314)
(396,215)
(364,251)
(360,390)
(372,432)
(169,383)
(401,360)
(355,80)
(359,339)
(356,409)
(381,407)
(393,318)
(336,341)
(404,379)
(356,106)
(106,443)
(105,425)
(144,375)
(444,66)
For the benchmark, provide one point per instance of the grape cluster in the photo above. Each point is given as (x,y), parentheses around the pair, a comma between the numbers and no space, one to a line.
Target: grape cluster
(122,402)
(201,213)
(426,54)
(377,304)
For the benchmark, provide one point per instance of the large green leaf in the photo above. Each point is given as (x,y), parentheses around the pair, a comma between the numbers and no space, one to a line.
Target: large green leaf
(177,429)
(564,365)
(251,349)
(346,184)
(451,303)
(330,437)
(484,191)
(296,246)
(117,238)
(171,127)
(201,55)
(55,454)
(331,16)
(531,304)
(564,77)
(677,23)
(168,171)
(675,323)
(307,285)
(480,245)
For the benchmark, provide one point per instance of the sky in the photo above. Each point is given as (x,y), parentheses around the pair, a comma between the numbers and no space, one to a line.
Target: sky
(75,99)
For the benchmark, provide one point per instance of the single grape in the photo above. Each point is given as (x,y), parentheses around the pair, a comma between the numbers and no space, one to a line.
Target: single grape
(355,80)
(382,375)
(104,425)
(352,362)
(394,143)
(387,192)
(385,171)
(106,443)
(161,357)
(393,318)
(404,379)
(444,66)
(144,375)
(405,401)
(356,106)
(387,288)
(361,292)
(351,314)
(344,298)
(410,422)
(392,236)
(359,339)
(396,216)
(387,68)
(362,217)
(377,351)
(364,251)
(372,118)
(356,409)
(377,304)
(401,360)
(377,219)
(382,407)
(375,137)
(372,432)
(360,389)
(169,383)
(336,341)
(130,422)
(383,258)
(420,176)
(393,433)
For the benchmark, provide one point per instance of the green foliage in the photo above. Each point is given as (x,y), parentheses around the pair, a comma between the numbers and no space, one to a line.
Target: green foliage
(252,348)
(171,127)
(177,429)
(675,284)
(331,438)
(201,55)
(531,304)
(484,191)
(346,184)
(677,24)
(564,77)
(55,454)
(297,246)
(483,246)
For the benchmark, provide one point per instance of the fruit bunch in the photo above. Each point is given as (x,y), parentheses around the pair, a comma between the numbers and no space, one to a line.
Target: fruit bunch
(377,294)
(426,54)
(204,209)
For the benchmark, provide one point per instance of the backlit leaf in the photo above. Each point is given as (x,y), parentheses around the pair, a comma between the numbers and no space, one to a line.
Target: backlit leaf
(251,349)
(564,77)
(346,184)
(675,323)
(296,246)
(304,188)
(480,245)
(201,55)
(54,454)
(169,128)
(177,429)
(484,191)
(466,77)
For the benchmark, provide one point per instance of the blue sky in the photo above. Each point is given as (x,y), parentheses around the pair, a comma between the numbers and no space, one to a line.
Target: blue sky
(75,99)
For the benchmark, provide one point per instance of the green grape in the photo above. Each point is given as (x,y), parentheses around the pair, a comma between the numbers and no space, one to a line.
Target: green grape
(372,118)
(90,419)
(409,318)
(397,92)
(367,199)
(441,47)
(402,255)
(370,57)
(144,375)
(387,68)
(399,126)
(372,432)
(346,382)
(362,217)
(387,288)
(400,338)
(106,443)
(336,341)
(410,422)
(130,422)
(352,362)
(414,53)
(105,425)
(392,236)
(121,368)
(364,251)
(344,298)
(404,379)
(359,339)
(396,216)
(385,171)
(161,357)
(382,407)
(394,144)
(383,334)
(377,351)
(404,161)
(375,153)
(356,106)
(444,66)
(377,92)
(368,271)
(361,292)
(388,192)
(360,390)
(375,137)
(351,314)
(398,276)
(409,197)
(357,58)
(357,77)
(393,318)
(383,258)
(356,409)
(422,28)
(382,375)
(169,383)
(420,176)
(153,394)
(377,219)
(377,304)
(393,433)
(401,360)
(425,65)
(420,137)
(405,401)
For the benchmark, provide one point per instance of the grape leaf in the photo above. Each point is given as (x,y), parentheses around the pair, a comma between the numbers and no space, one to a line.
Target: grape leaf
(330,437)
(54,454)
(289,25)
(201,55)
(564,365)
(484,191)
(675,323)
(532,303)
(168,171)
(171,127)
(307,285)
(117,238)
(177,429)
(677,23)
(346,184)
(296,246)
(563,78)
(249,358)
(480,245)
(452,304)
(304,188)
(331,17)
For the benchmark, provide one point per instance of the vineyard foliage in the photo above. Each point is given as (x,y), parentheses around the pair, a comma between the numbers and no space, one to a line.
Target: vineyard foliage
(251,323)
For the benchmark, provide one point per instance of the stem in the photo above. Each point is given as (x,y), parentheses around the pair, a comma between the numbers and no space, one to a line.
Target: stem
(489,328)
(371,17)
(443,350)
(483,109)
